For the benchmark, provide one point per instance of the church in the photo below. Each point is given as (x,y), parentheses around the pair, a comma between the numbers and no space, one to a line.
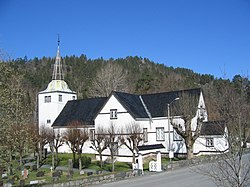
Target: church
(59,108)
(52,100)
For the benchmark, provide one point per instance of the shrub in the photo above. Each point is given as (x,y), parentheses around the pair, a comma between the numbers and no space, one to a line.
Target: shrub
(40,174)
(86,161)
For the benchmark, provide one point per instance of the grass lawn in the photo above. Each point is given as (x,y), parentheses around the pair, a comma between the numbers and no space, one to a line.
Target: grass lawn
(63,158)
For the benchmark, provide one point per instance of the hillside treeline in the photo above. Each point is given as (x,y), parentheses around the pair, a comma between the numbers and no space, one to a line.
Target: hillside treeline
(98,77)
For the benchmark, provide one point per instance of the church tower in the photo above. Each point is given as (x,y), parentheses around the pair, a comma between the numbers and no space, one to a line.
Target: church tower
(52,100)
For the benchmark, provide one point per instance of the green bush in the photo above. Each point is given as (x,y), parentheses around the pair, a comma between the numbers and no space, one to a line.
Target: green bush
(86,161)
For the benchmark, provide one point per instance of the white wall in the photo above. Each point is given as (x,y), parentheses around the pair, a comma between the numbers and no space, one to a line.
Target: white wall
(50,111)
(124,118)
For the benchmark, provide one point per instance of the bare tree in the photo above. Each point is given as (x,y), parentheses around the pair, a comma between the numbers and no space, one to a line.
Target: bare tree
(44,134)
(34,138)
(100,142)
(232,168)
(111,77)
(113,141)
(57,143)
(19,135)
(70,139)
(75,139)
(6,147)
(132,137)
(190,131)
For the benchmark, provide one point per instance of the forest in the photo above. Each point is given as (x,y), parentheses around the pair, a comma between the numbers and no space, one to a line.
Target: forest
(24,78)
(21,79)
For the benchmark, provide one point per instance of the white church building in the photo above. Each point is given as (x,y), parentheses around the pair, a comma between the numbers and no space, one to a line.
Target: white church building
(52,100)
(59,108)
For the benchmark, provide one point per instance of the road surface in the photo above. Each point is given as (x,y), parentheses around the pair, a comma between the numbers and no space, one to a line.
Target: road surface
(183,177)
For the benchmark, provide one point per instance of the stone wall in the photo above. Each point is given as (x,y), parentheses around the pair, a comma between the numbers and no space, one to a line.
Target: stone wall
(194,161)
(92,180)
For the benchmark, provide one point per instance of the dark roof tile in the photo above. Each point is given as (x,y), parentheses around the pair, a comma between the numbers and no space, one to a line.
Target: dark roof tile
(79,111)
(132,103)
(157,103)
(150,147)
(213,128)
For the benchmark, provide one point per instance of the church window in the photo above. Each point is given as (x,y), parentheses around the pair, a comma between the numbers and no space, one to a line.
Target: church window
(160,134)
(209,142)
(113,114)
(115,148)
(145,134)
(48,121)
(47,99)
(60,98)
(92,134)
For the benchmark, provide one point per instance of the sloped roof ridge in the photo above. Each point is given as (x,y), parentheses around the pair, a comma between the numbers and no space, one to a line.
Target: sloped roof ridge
(132,103)
(91,98)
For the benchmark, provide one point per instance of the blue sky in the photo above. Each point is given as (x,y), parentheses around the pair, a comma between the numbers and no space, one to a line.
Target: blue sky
(207,36)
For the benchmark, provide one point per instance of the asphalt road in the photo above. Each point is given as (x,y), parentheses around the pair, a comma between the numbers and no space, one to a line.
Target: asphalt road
(183,177)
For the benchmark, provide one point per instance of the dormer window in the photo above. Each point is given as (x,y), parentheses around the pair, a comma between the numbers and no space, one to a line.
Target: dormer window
(47,99)
(113,113)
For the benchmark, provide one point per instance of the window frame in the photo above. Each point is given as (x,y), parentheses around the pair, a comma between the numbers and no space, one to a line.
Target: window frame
(161,136)
(113,113)
(47,99)
(145,134)
(92,134)
(209,142)
(115,148)
(60,98)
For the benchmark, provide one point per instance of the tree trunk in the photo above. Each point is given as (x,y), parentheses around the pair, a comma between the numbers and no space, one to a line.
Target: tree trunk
(189,146)
(80,164)
(74,157)
(20,159)
(57,161)
(190,153)
(100,155)
(133,157)
(113,163)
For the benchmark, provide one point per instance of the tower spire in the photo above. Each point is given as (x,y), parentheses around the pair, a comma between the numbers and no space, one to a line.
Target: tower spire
(58,71)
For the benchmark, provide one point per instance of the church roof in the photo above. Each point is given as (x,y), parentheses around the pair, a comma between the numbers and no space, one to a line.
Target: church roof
(79,112)
(139,106)
(150,147)
(57,85)
(157,103)
(132,103)
(213,128)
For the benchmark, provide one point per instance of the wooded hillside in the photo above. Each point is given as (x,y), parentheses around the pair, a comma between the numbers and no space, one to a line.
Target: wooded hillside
(98,77)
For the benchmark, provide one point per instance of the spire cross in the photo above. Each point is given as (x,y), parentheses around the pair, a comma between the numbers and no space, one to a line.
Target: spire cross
(58,71)
(58,40)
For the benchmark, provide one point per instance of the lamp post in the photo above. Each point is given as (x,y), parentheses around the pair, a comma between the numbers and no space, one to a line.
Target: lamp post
(169,139)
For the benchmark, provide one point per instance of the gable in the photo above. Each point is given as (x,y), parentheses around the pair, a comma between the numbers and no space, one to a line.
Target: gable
(132,103)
